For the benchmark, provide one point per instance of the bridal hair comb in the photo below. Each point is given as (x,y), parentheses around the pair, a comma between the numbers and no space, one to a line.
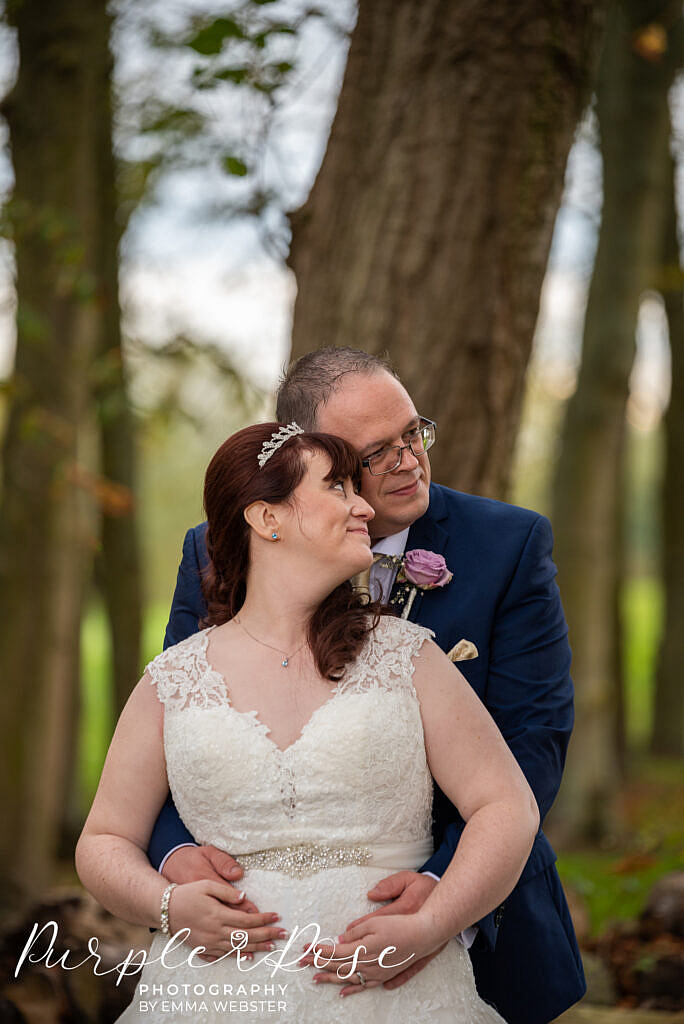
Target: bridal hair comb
(279,437)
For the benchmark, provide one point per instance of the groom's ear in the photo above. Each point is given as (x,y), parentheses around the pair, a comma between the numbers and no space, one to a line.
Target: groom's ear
(260,516)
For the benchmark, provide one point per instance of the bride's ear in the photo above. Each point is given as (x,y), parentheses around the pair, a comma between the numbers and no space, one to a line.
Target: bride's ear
(260,516)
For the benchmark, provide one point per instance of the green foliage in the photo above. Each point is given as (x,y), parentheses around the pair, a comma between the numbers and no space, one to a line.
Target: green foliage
(248,52)
(615,888)
(210,39)
(97,698)
(615,883)
(235,166)
(183,122)
(97,704)
(642,611)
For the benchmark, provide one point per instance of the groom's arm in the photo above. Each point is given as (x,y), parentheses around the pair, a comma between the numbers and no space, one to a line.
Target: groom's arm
(529,692)
(187,609)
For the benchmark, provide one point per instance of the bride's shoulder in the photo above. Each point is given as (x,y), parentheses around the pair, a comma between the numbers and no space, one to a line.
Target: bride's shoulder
(392,625)
(180,671)
(394,632)
(181,652)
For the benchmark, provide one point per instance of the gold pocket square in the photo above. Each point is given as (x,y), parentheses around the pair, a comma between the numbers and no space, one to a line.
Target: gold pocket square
(464,650)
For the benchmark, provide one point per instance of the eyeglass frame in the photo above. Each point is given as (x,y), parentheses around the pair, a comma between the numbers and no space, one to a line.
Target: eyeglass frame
(400,448)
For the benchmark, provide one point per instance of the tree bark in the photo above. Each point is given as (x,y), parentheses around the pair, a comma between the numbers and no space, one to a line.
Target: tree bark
(119,571)
(634,124)
(57,133)
(427,231)
(668,705)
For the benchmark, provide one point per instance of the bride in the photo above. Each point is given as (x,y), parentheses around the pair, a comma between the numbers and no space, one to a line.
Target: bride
(299,730)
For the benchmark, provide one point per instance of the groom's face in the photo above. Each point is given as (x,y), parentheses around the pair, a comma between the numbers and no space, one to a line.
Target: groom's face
(372,411)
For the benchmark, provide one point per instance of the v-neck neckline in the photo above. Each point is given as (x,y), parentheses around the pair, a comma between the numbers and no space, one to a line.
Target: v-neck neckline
(253,714)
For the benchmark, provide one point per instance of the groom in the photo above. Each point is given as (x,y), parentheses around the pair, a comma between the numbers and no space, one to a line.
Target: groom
(503,600)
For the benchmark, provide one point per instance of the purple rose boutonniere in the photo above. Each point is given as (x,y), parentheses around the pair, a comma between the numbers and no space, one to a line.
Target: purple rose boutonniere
(423,570)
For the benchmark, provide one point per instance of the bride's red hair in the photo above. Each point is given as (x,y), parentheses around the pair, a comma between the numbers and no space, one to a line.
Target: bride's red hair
(341,623)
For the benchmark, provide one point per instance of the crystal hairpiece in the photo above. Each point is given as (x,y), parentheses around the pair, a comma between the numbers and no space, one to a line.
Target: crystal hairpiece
(279,437)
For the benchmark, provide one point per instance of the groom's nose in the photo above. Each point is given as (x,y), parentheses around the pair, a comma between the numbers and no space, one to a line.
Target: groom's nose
(408,461)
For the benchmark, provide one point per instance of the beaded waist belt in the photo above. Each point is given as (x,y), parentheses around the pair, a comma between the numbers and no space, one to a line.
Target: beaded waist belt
(307,858)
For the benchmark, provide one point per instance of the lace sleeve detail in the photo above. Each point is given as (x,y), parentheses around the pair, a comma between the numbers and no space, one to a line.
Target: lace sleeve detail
(183,677)
(387,658)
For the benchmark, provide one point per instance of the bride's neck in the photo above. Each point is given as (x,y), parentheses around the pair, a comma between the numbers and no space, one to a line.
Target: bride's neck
(278,608)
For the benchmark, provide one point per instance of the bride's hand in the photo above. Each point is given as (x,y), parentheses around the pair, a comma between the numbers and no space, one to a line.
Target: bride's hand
(408,933)
(208,909)
(191,863)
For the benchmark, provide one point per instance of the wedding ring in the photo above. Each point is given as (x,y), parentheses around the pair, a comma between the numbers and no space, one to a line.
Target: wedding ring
(362,980)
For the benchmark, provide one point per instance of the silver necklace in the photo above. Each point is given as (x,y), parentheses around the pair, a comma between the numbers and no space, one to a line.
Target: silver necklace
(286,656)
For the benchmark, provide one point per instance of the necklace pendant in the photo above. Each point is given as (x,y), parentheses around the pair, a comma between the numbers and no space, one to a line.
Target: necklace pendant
(284,662)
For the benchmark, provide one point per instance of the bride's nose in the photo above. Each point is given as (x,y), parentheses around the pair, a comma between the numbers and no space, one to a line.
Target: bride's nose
(361,509)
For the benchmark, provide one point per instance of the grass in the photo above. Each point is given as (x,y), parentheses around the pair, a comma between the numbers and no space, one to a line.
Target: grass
(642,614)
(614,884)
(97,704)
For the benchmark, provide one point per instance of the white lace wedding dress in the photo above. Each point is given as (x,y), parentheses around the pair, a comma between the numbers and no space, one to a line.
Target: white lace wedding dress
(315,826)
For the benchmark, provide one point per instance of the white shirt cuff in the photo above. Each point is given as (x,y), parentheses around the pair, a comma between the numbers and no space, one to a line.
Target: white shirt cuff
(179,847)
(468,935)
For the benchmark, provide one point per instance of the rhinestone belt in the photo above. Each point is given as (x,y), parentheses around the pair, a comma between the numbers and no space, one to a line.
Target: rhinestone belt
(304,859)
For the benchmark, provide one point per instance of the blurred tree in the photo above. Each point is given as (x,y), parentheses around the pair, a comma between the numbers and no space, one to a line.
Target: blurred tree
(118,566)
(214,114)
(668,705)
(427,230)
(635,73)
(58,116)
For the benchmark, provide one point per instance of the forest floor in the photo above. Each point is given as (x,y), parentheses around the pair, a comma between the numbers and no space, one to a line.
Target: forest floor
(611,883)
(633,961)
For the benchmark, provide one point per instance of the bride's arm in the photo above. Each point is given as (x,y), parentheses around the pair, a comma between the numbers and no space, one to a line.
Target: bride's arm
(110,854)
(472,764)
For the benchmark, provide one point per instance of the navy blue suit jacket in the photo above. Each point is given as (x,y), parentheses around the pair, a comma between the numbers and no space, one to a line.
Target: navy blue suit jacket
(503,598)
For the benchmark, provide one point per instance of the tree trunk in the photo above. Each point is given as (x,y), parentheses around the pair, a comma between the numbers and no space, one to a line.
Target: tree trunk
(427,230)
(119,574)
(634,123)
(57,133)
(668,708)
(619,696)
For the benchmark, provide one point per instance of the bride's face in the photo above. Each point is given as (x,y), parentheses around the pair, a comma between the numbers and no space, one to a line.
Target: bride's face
(326,522)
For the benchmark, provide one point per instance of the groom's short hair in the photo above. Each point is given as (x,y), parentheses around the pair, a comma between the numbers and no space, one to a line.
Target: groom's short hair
(314,377)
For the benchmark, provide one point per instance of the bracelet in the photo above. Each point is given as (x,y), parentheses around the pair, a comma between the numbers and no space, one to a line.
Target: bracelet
(164,917)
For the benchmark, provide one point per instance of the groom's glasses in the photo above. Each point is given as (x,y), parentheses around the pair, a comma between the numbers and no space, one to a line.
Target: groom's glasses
(418,441)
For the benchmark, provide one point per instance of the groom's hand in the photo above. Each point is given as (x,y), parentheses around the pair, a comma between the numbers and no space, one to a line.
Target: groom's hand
(408,891)
(193,863)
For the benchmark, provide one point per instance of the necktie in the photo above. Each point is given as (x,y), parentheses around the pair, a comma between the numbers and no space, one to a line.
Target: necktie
(361,581)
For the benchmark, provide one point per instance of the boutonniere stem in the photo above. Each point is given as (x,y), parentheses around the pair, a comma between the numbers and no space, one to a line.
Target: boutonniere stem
(409,602)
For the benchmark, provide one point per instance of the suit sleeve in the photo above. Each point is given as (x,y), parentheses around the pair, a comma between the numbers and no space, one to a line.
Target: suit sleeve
(529,692)
(187,609)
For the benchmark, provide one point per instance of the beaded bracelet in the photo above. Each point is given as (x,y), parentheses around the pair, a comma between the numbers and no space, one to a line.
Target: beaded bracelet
(166,896)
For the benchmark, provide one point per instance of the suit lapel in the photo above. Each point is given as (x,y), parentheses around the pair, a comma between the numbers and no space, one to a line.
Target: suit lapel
(429,534)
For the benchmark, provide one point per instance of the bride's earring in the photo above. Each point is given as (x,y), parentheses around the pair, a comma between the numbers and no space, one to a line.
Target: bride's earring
(274,535)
